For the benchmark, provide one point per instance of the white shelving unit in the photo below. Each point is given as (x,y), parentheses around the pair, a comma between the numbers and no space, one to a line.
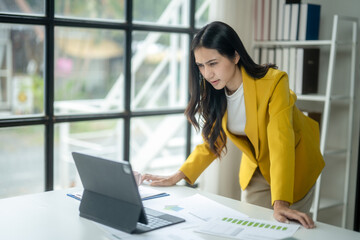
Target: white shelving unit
(327,100)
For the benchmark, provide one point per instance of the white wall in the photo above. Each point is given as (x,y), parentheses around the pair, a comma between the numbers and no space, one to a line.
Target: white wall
(238,14)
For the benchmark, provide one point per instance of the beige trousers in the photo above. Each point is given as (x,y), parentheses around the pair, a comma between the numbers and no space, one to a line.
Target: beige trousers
(258,193)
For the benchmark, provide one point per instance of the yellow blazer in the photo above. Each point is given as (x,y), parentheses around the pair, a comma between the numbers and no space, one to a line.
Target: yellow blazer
(280,140)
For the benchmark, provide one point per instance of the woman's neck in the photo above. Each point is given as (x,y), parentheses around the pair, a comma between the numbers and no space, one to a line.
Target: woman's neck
(235,83)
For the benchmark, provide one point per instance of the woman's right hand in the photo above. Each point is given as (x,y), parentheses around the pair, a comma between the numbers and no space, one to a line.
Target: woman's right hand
(156,180)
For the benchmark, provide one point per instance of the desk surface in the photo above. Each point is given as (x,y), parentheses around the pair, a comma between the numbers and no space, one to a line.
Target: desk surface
(53,215)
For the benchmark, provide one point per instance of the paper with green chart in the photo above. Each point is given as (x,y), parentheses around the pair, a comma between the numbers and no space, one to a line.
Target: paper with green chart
(248,228)
(210,217)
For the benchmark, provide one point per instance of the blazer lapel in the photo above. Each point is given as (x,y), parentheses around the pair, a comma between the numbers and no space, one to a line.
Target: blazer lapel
(251,127)
(240,141)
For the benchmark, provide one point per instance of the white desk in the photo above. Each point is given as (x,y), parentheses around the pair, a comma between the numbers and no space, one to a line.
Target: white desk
(53,215)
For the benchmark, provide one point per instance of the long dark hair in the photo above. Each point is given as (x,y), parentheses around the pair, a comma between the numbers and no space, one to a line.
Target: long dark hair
(205,100)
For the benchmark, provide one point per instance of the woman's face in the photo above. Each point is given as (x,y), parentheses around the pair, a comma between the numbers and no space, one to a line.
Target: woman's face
(218,70)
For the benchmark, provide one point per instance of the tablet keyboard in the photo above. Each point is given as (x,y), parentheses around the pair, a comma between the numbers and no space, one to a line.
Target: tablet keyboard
(157,220)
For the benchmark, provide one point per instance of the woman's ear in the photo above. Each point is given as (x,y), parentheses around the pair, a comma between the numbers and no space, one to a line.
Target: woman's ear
(237,57)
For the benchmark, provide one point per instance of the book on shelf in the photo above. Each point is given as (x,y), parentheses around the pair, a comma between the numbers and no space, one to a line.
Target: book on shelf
(271,55)
(309,21)
(291,19)
(259,18)
(299,72)
(278,58)
(264,56)
(284,20)
(294,28)
(266,20)
(285,60)
(292,68)
(315,116)
(257,55)
(273,19)
(262,19)
(280,21)
(287,22)
(307,70)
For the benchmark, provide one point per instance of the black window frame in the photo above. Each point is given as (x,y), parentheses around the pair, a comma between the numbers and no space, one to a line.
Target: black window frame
(50,119)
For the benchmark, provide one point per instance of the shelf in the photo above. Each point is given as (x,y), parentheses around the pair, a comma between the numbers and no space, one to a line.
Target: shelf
(292,43)
(321,97)
(325,102)
(312,97)
(334,151)
(340,97)
(345,43)
(326,203)
(309,43)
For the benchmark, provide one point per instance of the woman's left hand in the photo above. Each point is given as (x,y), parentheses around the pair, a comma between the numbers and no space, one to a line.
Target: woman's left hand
(283,213)
(156,180)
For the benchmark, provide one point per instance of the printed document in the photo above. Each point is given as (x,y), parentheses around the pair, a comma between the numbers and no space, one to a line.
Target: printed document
(196,209)
(248,228)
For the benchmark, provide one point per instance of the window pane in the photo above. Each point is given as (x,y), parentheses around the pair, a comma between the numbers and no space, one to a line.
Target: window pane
(159,70)
(158,143)
(101,138)
(21,70)
(22,160)
(89,70)
(161,12)
(196,138)
(110,10)
(202,13)
(26,7)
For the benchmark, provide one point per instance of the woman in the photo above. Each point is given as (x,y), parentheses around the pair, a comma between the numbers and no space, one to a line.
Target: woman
(251,105)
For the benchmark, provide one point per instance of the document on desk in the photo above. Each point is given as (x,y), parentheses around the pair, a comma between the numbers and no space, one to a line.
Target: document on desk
(196,209)
(147,193)
(248,228)
(169,233)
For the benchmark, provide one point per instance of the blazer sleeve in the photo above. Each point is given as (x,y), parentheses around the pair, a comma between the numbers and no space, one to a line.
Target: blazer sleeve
(281,140)
(197,162)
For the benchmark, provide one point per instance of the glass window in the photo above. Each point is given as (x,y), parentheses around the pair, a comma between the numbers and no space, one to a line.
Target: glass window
(89,70)
(88,78)
(196,138)
(159,70)
(21,70)
(157,143)
(102,138)
(22,160)
(161,12)
(109,10)
(26,7)
(202,9)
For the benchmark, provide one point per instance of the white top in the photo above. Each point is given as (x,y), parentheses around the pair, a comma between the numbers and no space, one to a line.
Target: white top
(236,112)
